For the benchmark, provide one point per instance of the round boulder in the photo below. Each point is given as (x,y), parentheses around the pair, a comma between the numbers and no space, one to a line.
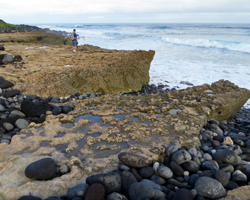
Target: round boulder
(164,172)
(181,156)
(111,181)
(95,192)
(209,188)
(133,160)
(77,191)
(22,123)
(140,191)
(8,58)
(44,169)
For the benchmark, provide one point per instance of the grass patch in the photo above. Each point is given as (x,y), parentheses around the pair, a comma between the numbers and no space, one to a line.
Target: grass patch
(5,25)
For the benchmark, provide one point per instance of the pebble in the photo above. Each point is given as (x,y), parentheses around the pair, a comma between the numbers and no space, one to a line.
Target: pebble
(123,167)
(164,172)
(8,126)
(176,168)
(210,164)
(18,113)
(127,180)
(146,172)
(2,108)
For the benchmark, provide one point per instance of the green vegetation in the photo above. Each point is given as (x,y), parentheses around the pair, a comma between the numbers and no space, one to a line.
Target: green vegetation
(5,25)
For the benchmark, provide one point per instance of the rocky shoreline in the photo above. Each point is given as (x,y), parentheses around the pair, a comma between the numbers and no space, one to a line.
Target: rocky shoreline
(220,165)
(157,143)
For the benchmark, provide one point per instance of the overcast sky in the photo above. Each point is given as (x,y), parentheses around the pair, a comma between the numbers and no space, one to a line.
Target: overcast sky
(126,11)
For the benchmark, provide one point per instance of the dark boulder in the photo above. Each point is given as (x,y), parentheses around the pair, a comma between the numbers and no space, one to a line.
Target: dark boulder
(44,169)
(12,93)
(6,84)
(35,109)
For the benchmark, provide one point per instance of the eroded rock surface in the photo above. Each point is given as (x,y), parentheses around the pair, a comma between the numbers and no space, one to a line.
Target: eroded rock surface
(57,71)
(89,139)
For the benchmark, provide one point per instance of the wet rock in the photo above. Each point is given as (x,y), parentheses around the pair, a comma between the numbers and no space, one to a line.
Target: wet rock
(209,188)
(133,160)
(140,191)
(77,191)
(111,181)
(44,169)
(95,192)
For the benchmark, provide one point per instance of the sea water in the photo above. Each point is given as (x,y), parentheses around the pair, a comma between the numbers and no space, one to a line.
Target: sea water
(196,53)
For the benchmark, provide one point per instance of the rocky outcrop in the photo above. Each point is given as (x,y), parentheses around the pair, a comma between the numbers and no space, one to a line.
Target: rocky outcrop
(56,71)
(100,128)
(35,38)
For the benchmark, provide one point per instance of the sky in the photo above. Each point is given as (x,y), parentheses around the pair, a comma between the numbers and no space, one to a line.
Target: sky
(128,11)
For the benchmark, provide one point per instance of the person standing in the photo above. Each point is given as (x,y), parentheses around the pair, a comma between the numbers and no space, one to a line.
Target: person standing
(74,41)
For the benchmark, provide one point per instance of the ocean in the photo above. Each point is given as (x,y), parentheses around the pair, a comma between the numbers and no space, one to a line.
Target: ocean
(195,53)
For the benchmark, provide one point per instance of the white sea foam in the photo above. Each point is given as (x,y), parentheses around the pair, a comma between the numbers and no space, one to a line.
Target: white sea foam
(234,46)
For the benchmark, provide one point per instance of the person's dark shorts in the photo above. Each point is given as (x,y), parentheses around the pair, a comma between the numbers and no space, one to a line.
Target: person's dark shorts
(74,43)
